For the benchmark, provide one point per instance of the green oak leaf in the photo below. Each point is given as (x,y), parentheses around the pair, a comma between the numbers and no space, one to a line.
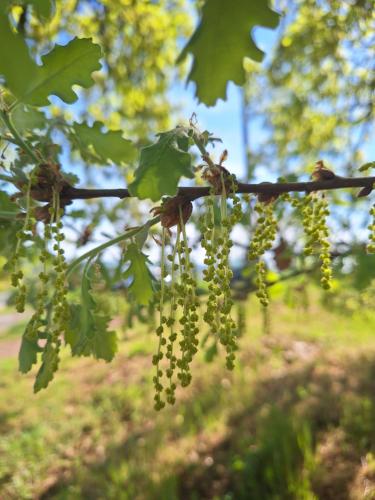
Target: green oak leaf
(221,42)
(15,60)
(109,145)
(63,67)
(27,356)
(27,118)
(88,334)
(50,364)
(161,166)
(141,285)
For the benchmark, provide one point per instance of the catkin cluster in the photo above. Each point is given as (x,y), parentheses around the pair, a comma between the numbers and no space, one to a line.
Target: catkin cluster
(157,358)
(60,316)
(371,245)
(37,318)
(218,274)
(186,299)
(315,211)
(263,238)
(52,312)
(24,234)
(171,323)
(183,308)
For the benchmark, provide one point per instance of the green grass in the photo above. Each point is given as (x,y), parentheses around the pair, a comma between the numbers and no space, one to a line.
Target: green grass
(300,400)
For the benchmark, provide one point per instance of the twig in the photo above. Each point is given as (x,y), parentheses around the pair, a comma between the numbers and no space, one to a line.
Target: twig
(271,188)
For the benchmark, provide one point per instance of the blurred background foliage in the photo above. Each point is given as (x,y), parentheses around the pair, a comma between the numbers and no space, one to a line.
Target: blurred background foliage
(314,95)
(140,44)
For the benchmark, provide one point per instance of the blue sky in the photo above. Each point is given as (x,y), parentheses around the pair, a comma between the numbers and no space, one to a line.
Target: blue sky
(223,119)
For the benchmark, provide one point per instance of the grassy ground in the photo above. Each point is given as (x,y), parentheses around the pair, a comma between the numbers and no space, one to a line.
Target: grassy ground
(295,420)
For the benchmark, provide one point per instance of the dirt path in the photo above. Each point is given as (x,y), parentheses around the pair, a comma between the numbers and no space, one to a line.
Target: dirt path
(9,348)
(8,320)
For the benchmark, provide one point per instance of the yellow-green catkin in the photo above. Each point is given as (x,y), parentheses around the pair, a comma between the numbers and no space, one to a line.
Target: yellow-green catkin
(218,274)
(17,275)
(315,211)
(189,303)
(157,358)
(208,243)
(262,241)
(171,324)
(60,313)
(36,320)
(182,315)
(261,282)
(228,328)
(371,245)
(265,231)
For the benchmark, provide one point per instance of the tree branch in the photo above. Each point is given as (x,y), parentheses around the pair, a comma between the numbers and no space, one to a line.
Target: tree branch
(271,188)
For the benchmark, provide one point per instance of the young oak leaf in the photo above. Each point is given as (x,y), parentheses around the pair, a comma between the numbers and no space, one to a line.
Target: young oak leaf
(88,334)
(50,364)
(161,166)
(27,356)
(109,145)
(141,285)
(221,42)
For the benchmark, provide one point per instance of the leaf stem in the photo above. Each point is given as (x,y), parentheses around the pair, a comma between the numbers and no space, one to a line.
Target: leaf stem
(201,146)
(95,251)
